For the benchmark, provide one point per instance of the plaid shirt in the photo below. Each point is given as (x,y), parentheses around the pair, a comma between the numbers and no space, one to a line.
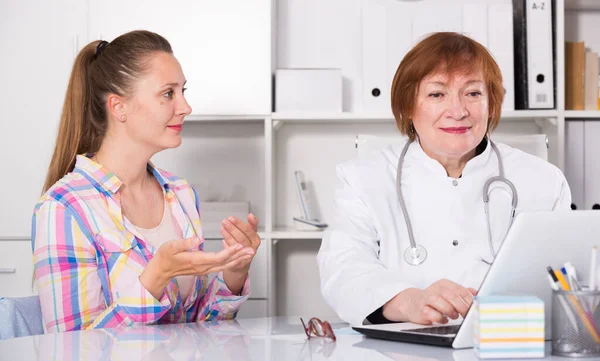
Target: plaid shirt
(88,258)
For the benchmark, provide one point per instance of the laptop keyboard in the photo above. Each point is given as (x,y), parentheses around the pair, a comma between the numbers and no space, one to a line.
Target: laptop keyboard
(437,330)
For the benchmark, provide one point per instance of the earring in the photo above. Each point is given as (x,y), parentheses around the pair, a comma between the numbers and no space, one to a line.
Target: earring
(123,117)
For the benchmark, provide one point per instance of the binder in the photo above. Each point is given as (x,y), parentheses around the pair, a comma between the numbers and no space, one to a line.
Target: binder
(520,54)
(590,92)
(500,44)
(574,75)
(574,161)
(591,190)
(540,59)
(376,91)
(399,39)
(534,54)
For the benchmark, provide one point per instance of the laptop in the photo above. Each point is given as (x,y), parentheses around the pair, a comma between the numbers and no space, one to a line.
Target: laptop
(535,241)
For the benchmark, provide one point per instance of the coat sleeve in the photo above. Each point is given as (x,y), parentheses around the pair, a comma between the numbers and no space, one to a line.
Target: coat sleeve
(353,280)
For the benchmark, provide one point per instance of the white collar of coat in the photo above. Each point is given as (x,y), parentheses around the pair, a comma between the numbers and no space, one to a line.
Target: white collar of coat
(474,165)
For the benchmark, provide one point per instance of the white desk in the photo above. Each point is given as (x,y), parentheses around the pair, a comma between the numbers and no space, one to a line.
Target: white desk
(277,338)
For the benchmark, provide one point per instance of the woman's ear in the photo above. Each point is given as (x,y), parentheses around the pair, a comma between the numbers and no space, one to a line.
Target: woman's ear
(116,107)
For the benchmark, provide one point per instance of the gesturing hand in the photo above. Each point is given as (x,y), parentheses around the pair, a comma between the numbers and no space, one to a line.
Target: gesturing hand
(236,232)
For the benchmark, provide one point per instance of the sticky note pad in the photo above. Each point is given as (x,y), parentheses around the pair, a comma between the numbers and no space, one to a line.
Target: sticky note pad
(508,327)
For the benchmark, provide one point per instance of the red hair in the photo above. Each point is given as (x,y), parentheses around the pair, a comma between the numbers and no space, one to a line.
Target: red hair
(448,53)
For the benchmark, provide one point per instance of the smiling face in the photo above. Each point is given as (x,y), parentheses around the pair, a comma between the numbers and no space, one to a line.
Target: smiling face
(156,109)
(451,114)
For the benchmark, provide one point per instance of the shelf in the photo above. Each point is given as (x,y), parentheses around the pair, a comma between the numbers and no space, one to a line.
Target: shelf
(582,5)
(529,114)
(332,117)
(578,114)
(291,233)
(316,117)
(224,118)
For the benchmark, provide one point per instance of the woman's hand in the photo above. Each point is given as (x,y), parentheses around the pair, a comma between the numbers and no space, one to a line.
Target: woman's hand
(442,300)
(181,257)
(236,232)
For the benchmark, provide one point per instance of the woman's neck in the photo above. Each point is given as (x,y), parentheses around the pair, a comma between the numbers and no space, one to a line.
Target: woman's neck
(454,166)
(126,162)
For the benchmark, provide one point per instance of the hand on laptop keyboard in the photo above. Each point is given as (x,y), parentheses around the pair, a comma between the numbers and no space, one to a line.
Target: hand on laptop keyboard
(435,304)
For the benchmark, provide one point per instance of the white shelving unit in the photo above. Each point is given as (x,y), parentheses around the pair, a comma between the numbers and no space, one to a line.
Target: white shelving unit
(276,139)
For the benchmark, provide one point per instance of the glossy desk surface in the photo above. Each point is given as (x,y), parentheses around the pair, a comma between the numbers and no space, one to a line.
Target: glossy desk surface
(276,338)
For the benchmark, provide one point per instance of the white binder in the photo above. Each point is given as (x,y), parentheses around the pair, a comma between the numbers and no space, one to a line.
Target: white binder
(399,39)
(591,170)
(500,44)
(376,91)
(574,161)
(540,61)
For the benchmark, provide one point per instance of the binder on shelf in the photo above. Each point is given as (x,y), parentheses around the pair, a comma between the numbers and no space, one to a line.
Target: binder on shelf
(376,93)
(574,161)
(590,81)
(534,55)
(591,171)
(500,44)
(574,75)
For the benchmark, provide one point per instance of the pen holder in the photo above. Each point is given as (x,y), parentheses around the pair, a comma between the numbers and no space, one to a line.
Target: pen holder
(575,320)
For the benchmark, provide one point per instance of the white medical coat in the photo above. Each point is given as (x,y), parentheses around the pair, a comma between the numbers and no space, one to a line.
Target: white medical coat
(361,260)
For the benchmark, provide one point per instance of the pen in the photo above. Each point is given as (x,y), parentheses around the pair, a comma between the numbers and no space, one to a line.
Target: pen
(572,276)
(567,278)
(561,279)
(552,275)
(592,280)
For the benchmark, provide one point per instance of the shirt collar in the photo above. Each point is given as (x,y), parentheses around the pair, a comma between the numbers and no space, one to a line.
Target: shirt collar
(108,179)
(480,160)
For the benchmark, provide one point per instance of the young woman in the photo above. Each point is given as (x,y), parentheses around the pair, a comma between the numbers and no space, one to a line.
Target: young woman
(116,240)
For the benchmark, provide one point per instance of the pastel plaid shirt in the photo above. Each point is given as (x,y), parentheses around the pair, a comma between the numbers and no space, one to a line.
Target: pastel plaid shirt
(88,258)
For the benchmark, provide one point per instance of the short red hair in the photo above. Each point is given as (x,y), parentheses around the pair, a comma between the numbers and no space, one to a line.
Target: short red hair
(449,53)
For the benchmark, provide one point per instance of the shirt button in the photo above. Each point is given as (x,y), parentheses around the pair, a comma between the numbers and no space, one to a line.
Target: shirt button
(455,242)
(455,182)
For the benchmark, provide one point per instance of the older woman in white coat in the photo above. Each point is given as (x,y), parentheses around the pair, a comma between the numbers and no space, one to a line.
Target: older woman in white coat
(446,98)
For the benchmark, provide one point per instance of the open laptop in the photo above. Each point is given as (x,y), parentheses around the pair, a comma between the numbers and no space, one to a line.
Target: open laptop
(535,241)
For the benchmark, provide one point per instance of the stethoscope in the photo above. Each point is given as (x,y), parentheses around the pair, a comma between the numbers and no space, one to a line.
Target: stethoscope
(416,254)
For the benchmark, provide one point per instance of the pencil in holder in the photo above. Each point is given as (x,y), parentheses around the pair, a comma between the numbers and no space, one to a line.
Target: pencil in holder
(575,320)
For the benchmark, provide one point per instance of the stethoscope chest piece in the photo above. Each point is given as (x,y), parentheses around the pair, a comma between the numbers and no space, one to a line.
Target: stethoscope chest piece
(415,256)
